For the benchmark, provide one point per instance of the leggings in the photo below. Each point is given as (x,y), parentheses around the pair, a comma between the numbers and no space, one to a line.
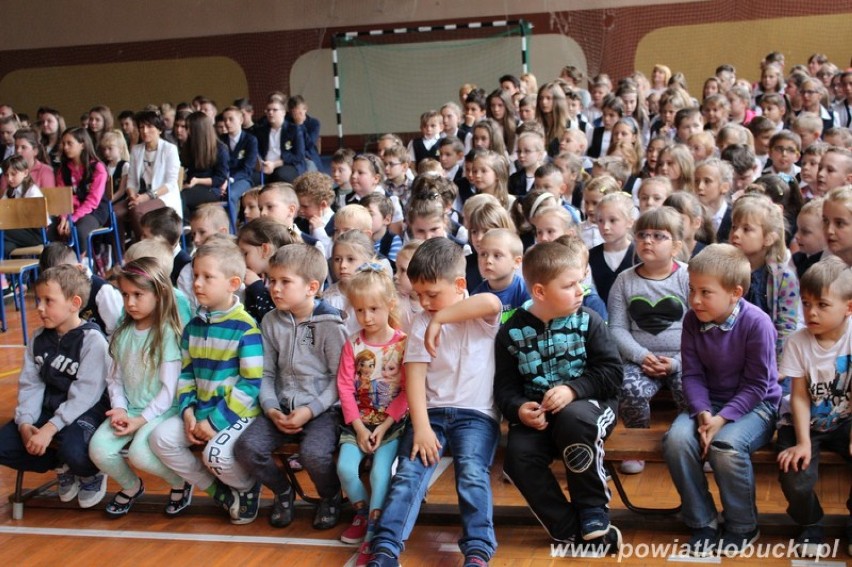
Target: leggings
(380,475)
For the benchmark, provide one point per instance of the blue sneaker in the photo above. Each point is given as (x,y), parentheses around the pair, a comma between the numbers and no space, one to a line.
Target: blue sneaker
(594,523)
(383,558)
(248,504)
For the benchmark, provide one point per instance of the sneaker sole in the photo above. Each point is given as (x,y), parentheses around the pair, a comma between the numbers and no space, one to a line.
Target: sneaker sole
(69,496)
(352,540)
(96,497)
(241,521)
(730,553)
(596,534)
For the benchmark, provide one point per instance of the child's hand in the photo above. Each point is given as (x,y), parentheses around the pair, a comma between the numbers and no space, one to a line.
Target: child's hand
(797,457)
(362,435)
(431,338)
(189,427)
(267,167)
(131,425)
(203,431)
(117,418)
(298,418)
(27,430)
(39,442)
(532,416)
(426,445)
(556,398)
(316,223)
(277,417)
(379,433)
(707,431)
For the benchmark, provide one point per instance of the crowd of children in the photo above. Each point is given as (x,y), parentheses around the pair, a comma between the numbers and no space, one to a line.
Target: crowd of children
(528,258)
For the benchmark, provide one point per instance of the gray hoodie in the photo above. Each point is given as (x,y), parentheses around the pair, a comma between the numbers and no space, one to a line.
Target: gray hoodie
(300,360)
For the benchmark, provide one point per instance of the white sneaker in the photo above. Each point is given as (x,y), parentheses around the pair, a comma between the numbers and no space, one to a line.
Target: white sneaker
(69,484)
(632,467)
(92,490)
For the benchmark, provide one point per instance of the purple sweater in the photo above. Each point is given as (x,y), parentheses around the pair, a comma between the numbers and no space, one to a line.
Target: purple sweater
(735,368)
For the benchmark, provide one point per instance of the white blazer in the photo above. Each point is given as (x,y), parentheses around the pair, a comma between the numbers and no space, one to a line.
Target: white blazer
(166,167)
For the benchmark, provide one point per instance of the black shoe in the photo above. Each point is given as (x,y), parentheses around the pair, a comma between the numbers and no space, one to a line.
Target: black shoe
(383,558)
(116,509)
(732,544)
(283,509)
(328,513)
(703,542)
(176,507)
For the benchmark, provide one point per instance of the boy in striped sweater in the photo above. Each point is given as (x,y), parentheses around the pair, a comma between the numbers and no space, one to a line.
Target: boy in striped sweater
(217,389)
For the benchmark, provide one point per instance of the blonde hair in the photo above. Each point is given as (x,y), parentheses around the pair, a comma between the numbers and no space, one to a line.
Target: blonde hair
(115,138)
(510,237)
(558,212)
(358,214)
(724,262)
(768,216)
(813,207)
(842,195)
(621,201)
(227,254)
(213,213)
(603,184)
(156,248)
(484,211)
(375,283)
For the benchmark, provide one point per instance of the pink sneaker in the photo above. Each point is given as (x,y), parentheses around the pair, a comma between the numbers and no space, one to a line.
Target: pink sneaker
(364,555)
(356,532)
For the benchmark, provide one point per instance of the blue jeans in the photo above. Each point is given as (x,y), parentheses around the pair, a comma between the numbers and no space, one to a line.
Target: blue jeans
(730,456)
(472,437)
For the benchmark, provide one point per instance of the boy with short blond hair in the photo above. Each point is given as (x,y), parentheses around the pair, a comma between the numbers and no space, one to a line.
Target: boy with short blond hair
(817,359)
(279,202)
(499,257)
(207,220)
(732,401)
(808,126)
(449,366)
(302,339)
(217,388)
(558,374)
(61,391)
(353,217)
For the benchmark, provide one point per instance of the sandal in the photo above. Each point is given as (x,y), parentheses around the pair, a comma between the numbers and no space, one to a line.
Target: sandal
(179,500)
(116,509)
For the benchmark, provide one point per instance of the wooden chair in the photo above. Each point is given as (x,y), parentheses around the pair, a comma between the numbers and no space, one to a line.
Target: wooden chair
(59,202)
(16,214)
(112,227)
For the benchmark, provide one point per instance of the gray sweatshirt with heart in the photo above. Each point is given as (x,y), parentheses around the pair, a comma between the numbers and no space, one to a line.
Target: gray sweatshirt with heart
(646,316)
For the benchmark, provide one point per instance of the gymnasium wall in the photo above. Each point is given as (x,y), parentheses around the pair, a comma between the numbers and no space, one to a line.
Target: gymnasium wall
(77,53)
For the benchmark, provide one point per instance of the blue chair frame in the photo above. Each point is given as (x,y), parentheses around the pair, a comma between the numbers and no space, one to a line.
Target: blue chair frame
(112,228)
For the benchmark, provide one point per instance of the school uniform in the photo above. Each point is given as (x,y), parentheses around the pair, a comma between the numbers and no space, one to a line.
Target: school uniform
(242,162)
(420,150)
(311,131)
(292,151)
(603,275)
(519,183)
(599,142)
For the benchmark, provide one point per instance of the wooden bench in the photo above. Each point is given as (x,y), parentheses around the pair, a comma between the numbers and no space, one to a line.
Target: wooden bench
(647,445)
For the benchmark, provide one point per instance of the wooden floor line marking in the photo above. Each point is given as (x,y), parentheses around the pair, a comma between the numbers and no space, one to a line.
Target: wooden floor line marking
(170,536)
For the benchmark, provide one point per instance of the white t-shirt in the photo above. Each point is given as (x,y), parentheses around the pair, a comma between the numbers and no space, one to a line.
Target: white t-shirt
(828,375)
(462,375)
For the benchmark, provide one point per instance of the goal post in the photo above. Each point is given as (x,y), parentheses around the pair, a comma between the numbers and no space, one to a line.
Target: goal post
(385,78)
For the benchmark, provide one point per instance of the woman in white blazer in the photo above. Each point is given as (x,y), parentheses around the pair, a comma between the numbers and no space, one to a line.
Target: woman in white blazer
(152,182)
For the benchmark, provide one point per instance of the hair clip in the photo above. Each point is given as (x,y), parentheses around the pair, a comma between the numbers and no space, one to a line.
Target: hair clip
(137,272)
(371,267)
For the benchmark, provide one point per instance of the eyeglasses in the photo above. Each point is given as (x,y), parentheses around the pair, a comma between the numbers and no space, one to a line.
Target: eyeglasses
(785,150)
(655,235)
